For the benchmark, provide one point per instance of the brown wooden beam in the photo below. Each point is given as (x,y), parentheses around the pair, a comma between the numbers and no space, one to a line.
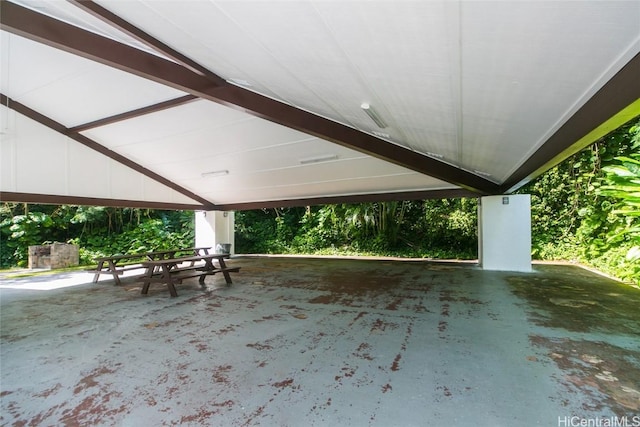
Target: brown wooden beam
(143,37)
(88,142)
(134,113)
(52,32)
(56,199)
(348,199)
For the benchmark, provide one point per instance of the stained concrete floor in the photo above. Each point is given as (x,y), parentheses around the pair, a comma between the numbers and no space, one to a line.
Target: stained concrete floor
(314,342)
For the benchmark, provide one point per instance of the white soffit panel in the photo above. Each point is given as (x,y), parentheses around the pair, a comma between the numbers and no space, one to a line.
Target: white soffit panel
(406,57)
(273,157)
(36,159)
(186,141)
(528,66)
(154,191)
(69,89)
(205,33)
(205,131)
(126,183)
(87,171)
(194,120)
(7,163)
(37,156)
(327,174)
(312,71)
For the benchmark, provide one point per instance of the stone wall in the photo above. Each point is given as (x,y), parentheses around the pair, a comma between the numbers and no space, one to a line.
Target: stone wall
(56,255)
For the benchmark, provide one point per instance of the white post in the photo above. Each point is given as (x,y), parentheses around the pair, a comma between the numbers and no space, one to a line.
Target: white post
(504,232)
(215,228)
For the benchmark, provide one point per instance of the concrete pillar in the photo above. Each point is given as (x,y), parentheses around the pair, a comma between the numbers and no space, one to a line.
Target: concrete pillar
(504,232)
(215,228)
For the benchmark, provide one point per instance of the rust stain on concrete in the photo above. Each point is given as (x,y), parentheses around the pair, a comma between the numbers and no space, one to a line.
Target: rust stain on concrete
(608,375)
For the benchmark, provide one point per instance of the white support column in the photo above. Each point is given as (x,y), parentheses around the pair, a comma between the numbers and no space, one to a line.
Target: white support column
(215,228)
(504,232)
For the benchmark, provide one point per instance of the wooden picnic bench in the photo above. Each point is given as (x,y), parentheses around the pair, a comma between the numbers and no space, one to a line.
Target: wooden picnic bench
(172,271)
(117,265)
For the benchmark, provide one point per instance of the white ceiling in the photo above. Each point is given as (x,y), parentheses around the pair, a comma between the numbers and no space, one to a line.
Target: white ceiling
(478,85)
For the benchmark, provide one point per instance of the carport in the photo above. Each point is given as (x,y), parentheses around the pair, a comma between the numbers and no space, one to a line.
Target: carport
(218,106)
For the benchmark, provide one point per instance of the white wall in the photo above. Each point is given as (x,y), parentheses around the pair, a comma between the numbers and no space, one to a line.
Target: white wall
(215,227)
(36,159)
(504,227)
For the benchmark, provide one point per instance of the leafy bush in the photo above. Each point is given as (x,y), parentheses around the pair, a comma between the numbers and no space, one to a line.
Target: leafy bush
(98,231)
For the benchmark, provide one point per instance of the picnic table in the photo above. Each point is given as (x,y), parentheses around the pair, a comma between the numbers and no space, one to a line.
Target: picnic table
(116,265)
(172,271)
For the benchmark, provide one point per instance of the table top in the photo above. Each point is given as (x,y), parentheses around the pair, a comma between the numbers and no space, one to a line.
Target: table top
(145,254)
(183,259)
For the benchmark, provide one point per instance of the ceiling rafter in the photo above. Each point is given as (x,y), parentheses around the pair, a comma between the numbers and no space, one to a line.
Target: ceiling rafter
(56,199)
(88,142)
(115,21)
(134,113)
(49,31)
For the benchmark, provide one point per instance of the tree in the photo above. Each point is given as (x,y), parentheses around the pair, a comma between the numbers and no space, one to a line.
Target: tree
(622,183)
(97,230)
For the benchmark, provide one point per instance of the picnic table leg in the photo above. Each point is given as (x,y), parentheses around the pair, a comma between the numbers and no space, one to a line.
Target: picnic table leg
(172,289)
(223,267)
(114,271)
(147,280)
(153,257)
(97,275)
(166,273)
(208,266)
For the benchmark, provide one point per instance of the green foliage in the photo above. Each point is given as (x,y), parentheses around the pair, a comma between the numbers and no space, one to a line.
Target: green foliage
(256,230)
(98,231)
(386,228)
(576,206)
(23,230)
(622,183)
